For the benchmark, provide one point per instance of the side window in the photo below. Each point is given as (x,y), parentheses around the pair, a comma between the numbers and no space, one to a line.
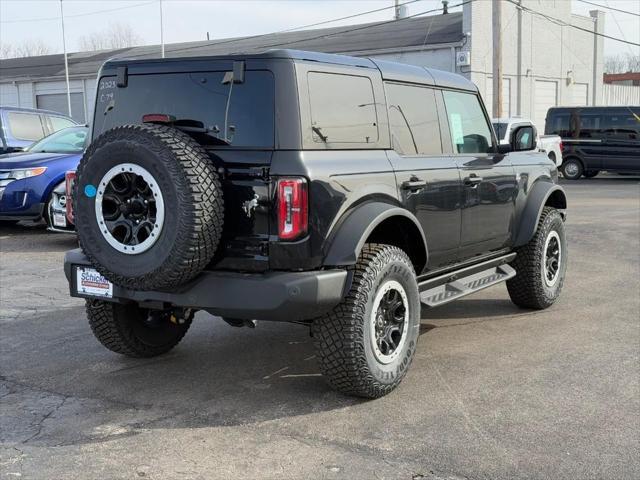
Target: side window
(559,125)
(58,123)
(621,126)
(25,126)
(590,126)
(343,108)
(413,118)
(470,132)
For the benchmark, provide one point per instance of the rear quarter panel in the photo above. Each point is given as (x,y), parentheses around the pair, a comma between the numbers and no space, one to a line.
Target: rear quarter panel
(340,180)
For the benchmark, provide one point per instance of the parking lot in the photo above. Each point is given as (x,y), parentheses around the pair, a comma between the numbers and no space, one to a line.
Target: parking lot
(494,391)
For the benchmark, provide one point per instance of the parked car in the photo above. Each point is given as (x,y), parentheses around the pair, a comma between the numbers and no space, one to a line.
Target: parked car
(32,183)
(376,187)
(21,127)
(596,139)
(550,144)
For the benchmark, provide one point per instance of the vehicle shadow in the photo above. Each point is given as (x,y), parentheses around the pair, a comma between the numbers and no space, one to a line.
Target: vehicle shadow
(218,376)
(34,237)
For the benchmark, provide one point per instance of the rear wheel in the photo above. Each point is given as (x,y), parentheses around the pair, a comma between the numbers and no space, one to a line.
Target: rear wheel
(541,264)
(366,344)
(133,331)
(572,169)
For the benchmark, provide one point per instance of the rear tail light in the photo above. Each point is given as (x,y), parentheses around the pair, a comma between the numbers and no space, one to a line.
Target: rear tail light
(293,208)
(69,180)
(561,147)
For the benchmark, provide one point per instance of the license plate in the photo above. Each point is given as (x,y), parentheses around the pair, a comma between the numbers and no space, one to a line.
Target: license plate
(90,282)
(59,220)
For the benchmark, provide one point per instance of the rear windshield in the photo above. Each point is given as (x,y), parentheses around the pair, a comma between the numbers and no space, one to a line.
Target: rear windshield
(197,100)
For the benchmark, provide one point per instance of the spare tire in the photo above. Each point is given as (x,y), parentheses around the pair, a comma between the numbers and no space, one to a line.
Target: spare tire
(148,206)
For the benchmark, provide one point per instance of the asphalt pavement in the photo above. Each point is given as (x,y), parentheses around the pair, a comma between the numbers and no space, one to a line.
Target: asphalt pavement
(494,391)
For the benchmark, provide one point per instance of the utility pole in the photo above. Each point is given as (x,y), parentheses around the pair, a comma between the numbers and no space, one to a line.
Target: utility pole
(497,58)
(519,102)
(396,15)
(66,61)
(161,31)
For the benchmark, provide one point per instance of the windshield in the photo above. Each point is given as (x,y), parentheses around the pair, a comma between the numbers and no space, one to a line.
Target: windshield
(500,129)
(67,140)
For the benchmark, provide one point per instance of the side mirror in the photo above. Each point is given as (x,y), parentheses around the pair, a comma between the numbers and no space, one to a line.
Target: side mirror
(504,148)
(523,139)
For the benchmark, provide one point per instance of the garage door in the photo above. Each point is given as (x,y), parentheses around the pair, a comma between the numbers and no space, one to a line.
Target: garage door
(506,97)
(545,96)
(578,96)
(57,102)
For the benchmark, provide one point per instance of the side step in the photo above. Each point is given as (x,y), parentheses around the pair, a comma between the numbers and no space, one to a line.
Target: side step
(461,286)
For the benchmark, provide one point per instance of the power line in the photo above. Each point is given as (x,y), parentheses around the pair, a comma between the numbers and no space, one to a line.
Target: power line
(557,21)
(613,15)
(25,20)
(324,35)
(347,17)
(299,27)
(287,30)
(610,8)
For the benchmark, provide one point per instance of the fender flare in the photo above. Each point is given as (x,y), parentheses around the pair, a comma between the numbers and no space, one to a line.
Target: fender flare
(352,232)
(537,198)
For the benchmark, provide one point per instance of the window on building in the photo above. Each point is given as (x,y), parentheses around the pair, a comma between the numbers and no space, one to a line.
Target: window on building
(470,131)
(25,126)
(413,118)
(343,108)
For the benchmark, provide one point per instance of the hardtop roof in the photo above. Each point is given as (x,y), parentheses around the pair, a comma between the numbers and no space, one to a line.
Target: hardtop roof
(392,71)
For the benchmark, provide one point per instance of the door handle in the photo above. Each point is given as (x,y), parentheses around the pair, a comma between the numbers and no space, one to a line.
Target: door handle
(413,184)
(472,180)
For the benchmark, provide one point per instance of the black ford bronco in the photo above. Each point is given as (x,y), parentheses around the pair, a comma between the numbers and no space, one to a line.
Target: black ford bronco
(335,192)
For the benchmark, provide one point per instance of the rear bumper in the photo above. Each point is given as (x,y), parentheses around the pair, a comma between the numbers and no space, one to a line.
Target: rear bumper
(278,296)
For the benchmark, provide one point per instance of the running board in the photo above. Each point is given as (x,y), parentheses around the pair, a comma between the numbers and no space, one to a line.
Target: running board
(459,287)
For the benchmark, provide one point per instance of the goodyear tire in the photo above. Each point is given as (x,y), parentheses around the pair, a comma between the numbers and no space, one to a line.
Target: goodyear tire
(148,206)
(134,331)
(366,344)
(541,264)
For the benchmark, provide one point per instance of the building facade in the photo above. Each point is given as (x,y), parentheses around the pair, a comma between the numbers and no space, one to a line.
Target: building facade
(546,62)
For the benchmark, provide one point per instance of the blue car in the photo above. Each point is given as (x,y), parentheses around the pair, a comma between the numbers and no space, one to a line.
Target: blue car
(32,183)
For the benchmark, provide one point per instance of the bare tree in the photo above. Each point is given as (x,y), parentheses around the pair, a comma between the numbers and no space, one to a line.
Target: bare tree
(117,35)
(622,63)
(28,48)
(633,63)
(6,50)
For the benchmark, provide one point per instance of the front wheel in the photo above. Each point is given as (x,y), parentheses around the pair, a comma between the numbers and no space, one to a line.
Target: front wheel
(133,331)
(366,344)
(572,169)
(541,264)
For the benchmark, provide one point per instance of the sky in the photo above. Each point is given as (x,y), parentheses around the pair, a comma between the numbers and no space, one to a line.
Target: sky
(189,20)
